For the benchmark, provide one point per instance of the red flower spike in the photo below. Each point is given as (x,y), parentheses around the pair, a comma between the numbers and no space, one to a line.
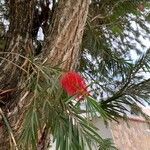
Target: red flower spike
(74,84)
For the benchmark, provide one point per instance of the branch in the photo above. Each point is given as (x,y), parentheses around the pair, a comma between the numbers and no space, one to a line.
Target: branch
(9,129)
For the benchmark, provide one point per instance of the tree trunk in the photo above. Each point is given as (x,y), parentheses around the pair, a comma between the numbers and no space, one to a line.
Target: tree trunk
(61,46)
(65,34)
(19,42)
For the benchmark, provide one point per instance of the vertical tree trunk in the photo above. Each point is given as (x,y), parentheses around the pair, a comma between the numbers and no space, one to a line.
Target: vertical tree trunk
(19,42)
(62,45)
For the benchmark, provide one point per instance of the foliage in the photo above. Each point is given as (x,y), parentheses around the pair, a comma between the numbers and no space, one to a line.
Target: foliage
(62,116)
(115,29)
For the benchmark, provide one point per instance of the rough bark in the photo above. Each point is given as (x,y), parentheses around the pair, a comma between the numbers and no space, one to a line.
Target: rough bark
(62,45)
(19,42)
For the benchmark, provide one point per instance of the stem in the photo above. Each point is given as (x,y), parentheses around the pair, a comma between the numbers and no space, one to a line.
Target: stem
(9,129)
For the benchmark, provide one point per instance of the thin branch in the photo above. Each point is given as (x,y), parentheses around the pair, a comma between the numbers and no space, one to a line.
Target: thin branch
(9,129)
(99,16)
(14,64)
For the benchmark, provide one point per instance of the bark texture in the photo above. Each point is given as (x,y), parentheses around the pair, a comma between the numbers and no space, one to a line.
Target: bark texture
(62,44)
(65,34)
(19,42)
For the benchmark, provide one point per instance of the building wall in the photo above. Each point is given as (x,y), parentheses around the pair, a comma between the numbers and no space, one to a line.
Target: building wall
(132,136)
(103,130)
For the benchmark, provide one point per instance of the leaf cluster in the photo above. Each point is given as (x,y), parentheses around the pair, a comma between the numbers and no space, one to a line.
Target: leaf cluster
(63,117)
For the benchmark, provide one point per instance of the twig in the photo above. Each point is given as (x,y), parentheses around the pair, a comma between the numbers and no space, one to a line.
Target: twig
(9,129)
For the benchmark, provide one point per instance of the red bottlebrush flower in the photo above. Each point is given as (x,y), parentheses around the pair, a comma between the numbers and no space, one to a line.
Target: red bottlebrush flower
(74,84)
